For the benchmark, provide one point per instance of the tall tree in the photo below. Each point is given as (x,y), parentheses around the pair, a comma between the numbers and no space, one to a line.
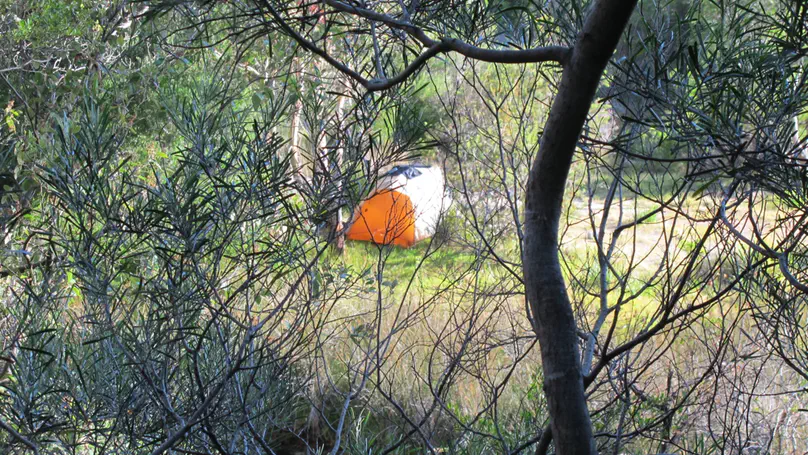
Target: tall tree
(186,294)
(392,41)
(583,62)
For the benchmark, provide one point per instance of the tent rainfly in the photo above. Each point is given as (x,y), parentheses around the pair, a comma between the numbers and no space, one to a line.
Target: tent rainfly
(404,208)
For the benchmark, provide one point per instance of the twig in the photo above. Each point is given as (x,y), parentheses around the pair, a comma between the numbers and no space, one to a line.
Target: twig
(14,434)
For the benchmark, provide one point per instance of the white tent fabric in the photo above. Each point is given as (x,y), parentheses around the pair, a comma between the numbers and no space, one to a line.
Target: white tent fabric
(404,208)
(427,194)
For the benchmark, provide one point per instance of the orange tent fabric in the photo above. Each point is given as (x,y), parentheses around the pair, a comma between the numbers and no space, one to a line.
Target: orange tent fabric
(388,217)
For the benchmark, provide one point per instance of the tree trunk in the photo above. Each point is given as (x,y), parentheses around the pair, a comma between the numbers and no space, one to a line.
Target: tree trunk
(294,144)
(339,222)
(544,284)
(295,128)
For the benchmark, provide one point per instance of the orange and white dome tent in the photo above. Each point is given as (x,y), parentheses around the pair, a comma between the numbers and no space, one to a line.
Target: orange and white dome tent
(404,208)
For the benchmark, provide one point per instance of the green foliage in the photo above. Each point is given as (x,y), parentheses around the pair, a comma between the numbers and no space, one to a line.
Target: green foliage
(134,257)
(49,20)
(165,270)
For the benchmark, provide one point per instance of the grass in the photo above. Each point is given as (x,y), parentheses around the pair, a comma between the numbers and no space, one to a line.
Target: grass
(521,402)
(429,262)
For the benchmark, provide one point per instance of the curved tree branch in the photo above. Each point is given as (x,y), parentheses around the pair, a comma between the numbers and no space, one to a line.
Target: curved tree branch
(533,55)
(764,250)
(20,438)
(432,47)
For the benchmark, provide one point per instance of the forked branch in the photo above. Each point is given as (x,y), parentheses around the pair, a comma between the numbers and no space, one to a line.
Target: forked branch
(431,47)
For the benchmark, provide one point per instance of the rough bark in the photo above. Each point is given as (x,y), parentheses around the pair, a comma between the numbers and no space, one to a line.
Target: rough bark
(339,221)
(294,144)
(544,284)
